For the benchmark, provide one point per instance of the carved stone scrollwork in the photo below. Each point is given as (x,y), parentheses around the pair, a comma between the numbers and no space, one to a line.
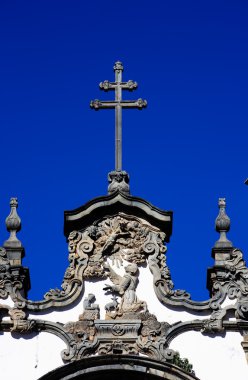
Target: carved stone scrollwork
(5,275)
(151,326)
(20,323)
(146,336)
(158,350)
(119,238)
(231,280)
(215,323)
(242,308)
(117,347)
(69,354)
(77,350)
(11,280)
(82,332)
(161,274)
(237,275)
(89,335)
(73,278)
(152,341)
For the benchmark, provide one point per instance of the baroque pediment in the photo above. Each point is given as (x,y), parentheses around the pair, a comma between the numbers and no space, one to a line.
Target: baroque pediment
(112,204)
(112,243)
(117,264)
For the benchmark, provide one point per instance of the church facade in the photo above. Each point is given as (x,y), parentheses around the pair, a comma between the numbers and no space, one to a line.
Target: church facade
(117,312)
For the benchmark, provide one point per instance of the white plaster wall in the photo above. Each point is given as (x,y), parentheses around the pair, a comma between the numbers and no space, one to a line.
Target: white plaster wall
(29,359)
(7,302)
(144,291)
(213,357)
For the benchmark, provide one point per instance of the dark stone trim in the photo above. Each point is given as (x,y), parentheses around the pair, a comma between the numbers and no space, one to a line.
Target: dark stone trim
(62,300)
(198,325)
(179,301)
(54,328)
(97,367)
(97,208)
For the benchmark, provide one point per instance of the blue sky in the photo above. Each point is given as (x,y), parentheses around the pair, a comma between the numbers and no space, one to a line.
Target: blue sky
(187,149)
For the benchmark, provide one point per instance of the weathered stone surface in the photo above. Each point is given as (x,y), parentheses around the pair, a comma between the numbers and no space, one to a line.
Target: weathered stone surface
(112,366)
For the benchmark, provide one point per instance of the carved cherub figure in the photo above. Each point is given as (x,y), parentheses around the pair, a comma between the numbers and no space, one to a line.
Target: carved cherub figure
(126,287)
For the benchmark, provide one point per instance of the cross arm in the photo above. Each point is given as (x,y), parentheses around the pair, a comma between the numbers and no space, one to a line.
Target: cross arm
(140,103)
(98,104)
(129,85)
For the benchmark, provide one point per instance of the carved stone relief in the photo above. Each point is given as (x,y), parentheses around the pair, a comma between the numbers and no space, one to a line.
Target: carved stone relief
(126,287)
(84,327)
(117,238)
(123,237)
(141,333)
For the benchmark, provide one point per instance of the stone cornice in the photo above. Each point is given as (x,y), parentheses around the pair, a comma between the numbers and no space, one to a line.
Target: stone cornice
(97,208)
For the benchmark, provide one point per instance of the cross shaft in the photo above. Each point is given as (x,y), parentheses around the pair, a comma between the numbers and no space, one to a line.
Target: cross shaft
(118,104)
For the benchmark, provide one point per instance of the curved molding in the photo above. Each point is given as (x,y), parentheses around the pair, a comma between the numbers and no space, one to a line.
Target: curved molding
(56,298)
(176,298)
(199,325)
(111,204)
(55,329)
(112,366)
(181,299)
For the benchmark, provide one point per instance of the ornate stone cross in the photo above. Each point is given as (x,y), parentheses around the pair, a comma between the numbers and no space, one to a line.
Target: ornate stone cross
(118,104)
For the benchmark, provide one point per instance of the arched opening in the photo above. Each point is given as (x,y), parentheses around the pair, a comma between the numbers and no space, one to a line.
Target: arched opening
(115,367)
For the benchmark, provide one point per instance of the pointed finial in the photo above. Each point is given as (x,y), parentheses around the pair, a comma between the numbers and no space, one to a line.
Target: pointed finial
(222,225)
(13,224)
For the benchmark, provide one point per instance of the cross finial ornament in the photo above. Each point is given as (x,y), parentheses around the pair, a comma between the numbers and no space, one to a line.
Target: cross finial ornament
(118,103)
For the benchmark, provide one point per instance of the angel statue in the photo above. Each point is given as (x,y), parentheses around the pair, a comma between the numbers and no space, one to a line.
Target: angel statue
(125,286)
